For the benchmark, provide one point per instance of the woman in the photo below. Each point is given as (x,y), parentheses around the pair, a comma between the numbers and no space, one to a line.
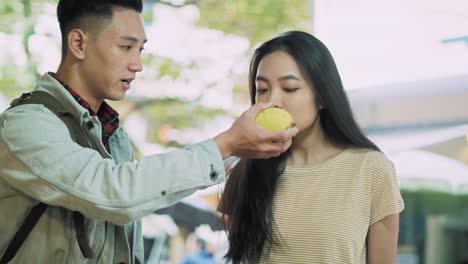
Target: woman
(333,197)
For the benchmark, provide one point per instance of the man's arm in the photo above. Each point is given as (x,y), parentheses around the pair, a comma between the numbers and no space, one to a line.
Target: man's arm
(382,240)
(38,158)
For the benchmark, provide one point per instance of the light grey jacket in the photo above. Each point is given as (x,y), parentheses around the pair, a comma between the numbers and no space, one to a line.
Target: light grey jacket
(40,162)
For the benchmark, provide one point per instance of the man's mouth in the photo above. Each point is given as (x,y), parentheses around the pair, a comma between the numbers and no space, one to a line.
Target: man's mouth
(128,81)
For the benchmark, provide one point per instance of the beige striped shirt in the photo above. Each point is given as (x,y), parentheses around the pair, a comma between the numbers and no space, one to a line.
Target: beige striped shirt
(322,212)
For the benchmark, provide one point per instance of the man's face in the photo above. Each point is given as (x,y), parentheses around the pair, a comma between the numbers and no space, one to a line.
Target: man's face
(112,56)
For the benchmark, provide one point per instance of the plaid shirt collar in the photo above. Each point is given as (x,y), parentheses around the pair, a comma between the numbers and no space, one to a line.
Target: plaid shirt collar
(108,117)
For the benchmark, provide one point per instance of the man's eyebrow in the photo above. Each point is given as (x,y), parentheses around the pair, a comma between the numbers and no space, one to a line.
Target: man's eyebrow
(132,38)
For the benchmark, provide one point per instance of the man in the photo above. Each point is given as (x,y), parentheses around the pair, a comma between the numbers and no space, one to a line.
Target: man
(40,162)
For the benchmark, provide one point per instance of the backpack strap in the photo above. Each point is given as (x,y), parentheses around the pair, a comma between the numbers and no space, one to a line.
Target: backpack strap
(76,132)
(23,232)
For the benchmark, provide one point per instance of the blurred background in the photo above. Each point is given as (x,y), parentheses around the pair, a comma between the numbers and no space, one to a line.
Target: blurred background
(404,64)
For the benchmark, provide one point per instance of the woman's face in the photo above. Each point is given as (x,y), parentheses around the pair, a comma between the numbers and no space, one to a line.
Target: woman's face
(280,82)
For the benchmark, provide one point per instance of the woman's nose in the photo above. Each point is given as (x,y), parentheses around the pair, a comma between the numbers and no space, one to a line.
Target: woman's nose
(276,99)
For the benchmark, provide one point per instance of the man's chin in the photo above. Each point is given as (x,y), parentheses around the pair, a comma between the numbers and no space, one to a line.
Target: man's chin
(116,97)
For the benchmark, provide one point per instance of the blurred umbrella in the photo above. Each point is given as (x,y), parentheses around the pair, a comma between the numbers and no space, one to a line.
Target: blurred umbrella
(418,169)
(455,148)
(192,212)
(158,225)
(451,142)
(157,228)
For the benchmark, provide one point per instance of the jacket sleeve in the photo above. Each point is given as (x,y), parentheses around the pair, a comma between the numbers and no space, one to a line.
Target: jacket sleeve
(38,158)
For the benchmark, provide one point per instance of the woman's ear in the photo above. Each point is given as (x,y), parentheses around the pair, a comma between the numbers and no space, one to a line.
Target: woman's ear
(320,106)
(77,42)
(319,101)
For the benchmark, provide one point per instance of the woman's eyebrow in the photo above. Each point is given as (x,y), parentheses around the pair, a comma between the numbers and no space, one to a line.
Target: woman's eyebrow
(289,77)
(282,78)
(261,78)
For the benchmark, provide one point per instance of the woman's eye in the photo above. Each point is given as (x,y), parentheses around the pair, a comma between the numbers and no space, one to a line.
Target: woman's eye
(290,90)
(261,91)
(126,47)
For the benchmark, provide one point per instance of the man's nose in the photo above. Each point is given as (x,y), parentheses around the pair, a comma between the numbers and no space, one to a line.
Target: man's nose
(136,65)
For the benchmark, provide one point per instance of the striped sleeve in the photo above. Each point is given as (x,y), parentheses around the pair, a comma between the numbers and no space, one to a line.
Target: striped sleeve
(385,193)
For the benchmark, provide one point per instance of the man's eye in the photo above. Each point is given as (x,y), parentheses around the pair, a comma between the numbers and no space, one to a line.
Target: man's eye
(126,47)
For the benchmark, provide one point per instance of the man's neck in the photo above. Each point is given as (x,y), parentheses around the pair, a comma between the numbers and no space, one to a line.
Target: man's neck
(70,76)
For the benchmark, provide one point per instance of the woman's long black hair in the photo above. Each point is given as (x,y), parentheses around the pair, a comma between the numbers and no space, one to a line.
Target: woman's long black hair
(248,194)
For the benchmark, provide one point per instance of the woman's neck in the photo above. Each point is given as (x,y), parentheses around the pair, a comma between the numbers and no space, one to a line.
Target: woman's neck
(312,146)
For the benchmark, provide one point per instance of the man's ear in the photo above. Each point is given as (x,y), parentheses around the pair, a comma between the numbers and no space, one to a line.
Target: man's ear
(77,42)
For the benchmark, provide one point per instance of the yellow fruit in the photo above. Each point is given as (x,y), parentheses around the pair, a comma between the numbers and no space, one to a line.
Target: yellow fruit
(274,119)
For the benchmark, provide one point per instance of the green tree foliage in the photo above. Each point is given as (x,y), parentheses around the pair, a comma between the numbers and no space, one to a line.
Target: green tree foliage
(257,20)
(168,113)
(17,16)
(12,12)
(162,66)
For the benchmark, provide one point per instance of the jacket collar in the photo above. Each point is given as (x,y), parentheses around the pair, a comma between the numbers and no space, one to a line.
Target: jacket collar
(49,84)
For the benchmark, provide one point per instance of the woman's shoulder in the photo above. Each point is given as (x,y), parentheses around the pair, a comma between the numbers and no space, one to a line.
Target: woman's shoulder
(374,159)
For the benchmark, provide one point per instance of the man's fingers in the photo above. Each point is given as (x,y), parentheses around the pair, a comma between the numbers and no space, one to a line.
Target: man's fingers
(257,108)
(275,143)
(265,155)
(291,132)
(275,149)
(287,145)
(271,149)
(281,136)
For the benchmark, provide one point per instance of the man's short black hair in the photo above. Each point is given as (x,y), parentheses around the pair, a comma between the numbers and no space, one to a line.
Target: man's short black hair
(78,13)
